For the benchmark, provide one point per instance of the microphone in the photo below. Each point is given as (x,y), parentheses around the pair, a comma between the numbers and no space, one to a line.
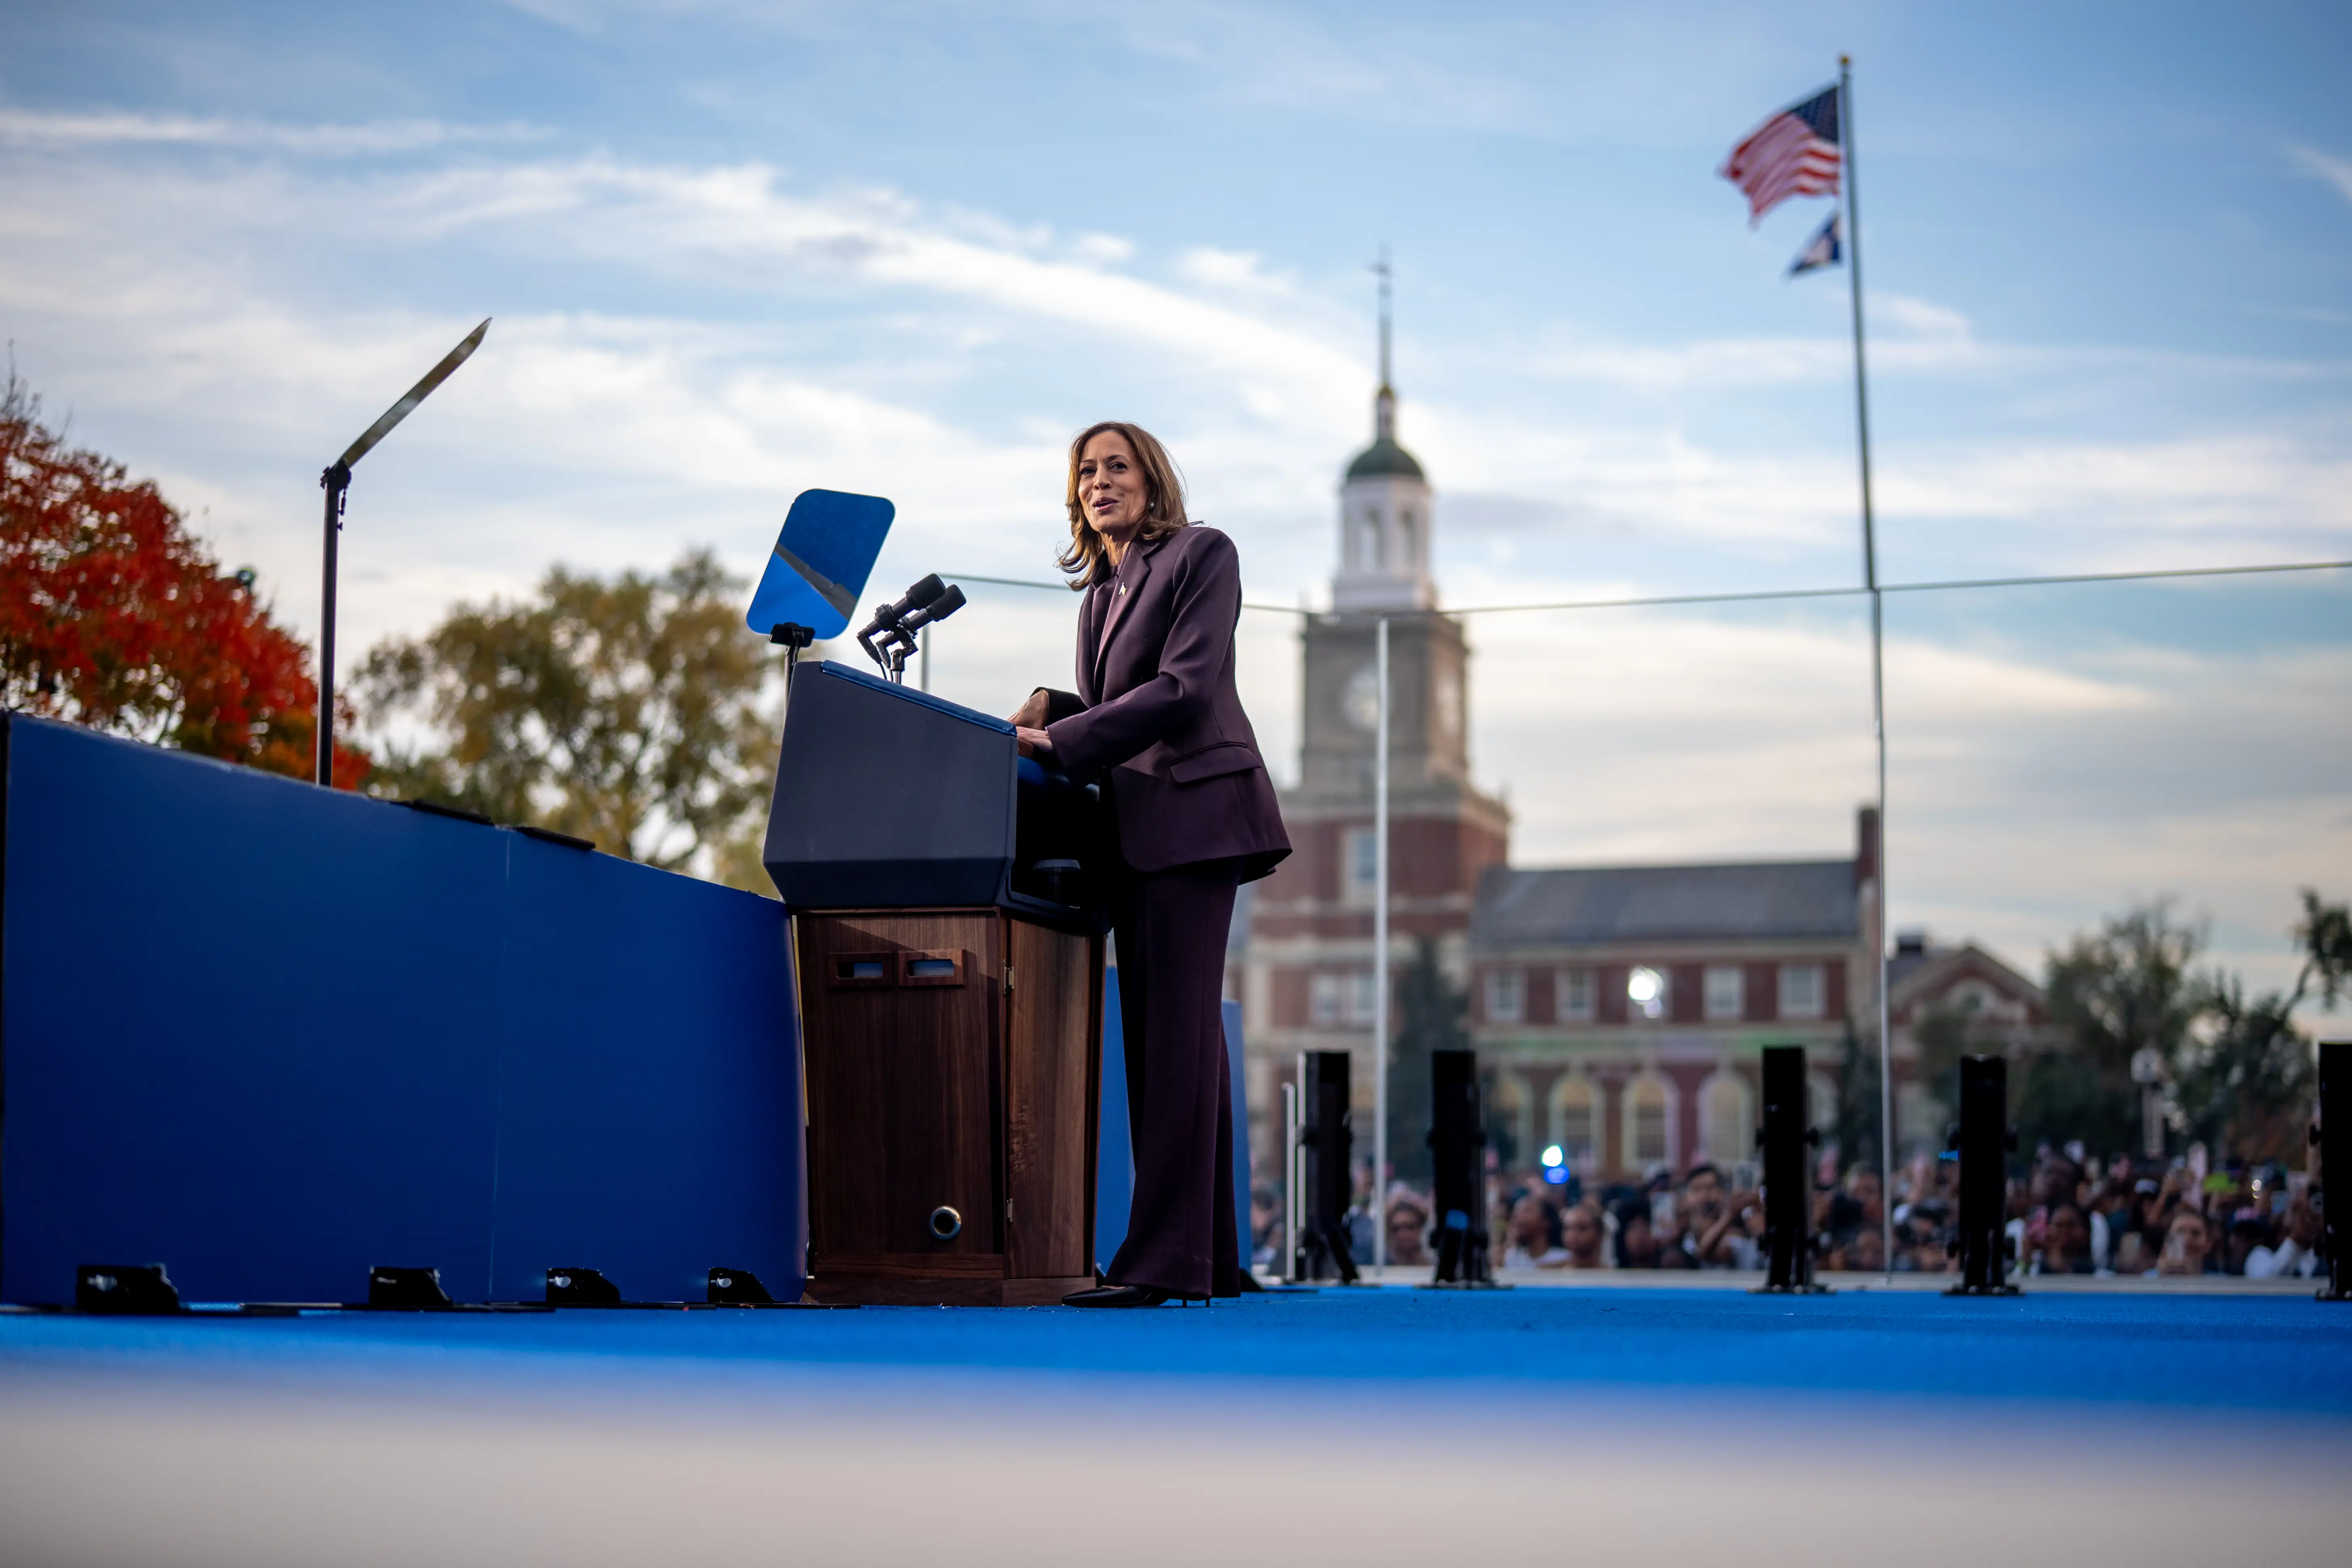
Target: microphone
(890,621)
(895,625)
(938,609)
(916,597)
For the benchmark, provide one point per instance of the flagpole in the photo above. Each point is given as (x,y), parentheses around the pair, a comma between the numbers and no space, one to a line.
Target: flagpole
(1380,957)
(1877,668)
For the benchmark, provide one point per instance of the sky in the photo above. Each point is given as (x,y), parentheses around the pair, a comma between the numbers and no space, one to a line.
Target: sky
(732,251)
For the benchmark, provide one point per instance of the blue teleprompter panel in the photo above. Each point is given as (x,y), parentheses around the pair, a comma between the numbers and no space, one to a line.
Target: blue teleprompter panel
(270,1035)
(649,1121)
(821,561)
(247,1027)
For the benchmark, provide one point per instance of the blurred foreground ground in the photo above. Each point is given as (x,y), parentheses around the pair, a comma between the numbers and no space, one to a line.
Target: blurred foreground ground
(1399,1425)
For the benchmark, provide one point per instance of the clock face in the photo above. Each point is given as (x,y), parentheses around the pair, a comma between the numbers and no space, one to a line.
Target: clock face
(1360,703)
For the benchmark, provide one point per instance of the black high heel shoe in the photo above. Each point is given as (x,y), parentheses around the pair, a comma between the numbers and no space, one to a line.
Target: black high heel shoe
(1128,1295)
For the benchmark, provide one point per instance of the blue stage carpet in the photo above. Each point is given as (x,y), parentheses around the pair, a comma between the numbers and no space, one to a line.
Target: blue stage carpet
(1378,1424)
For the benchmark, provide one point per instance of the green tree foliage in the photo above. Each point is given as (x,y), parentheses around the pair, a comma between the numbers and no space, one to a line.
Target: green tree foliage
(2242,1079)
(635,711)
(2128,985)
(1431,1011)
(2238,1073)
(1857,1099)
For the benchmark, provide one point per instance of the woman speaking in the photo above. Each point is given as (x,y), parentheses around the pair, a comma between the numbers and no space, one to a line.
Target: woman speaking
(1157,719)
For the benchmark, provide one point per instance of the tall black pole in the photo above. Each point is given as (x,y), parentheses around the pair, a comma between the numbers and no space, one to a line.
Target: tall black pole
(1877,661)
(335,481)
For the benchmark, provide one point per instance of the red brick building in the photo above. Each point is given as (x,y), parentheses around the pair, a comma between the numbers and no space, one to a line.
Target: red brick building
(1619,1010)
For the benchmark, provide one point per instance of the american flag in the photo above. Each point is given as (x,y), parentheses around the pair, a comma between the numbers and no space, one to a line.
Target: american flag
(1794,153)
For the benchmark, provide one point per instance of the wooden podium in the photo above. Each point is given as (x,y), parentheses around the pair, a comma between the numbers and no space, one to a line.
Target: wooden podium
(950,962)
(953,1060)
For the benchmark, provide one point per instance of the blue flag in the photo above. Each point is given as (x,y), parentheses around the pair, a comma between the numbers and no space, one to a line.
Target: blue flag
(1824,249)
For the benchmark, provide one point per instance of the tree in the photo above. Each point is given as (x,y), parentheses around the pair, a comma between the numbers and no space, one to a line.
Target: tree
(113,615)
(633,712)
(2128,987)
(1857,1099)
(1430,1014)
(2242,1079)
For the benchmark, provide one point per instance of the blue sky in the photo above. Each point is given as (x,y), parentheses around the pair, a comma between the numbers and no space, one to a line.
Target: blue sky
(737,250)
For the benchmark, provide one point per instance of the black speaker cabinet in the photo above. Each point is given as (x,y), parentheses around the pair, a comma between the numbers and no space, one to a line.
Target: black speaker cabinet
(954,1068)
(2332,1138)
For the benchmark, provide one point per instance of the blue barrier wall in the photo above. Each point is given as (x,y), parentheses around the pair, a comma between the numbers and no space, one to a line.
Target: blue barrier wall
(271,1035)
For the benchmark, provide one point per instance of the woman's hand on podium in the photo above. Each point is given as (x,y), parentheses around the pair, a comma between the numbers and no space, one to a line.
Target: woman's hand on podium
(1031,715)
(1034,742)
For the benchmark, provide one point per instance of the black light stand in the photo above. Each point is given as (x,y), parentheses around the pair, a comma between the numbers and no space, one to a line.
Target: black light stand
(1457,1144)
(1984,1138)
(1788,1142)
(2332,1136)
(1325,1143)
(337,482)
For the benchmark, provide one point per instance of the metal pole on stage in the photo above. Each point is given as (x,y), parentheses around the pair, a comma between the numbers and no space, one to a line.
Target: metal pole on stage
(1877,669)
(1380,964)
(337,481)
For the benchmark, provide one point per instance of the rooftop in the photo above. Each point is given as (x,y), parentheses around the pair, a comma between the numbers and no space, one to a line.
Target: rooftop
(1803,899)
(1385,460)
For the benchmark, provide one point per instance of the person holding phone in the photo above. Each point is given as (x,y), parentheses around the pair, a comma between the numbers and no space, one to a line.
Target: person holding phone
(1157,719)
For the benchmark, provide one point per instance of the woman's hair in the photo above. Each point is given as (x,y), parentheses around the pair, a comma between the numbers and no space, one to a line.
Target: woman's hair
(1163,510)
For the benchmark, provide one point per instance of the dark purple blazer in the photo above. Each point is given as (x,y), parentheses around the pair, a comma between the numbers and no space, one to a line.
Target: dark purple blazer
(1156,712)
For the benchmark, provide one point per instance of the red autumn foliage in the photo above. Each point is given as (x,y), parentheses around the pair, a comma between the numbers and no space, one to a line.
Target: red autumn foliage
(114,616)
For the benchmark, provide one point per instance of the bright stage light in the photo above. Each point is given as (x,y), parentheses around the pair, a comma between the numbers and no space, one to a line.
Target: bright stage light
(1552,1158)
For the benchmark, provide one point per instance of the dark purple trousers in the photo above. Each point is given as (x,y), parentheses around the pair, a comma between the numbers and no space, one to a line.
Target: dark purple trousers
(1171,927)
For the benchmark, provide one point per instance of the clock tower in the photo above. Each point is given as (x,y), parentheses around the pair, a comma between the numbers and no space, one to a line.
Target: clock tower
(1307,982)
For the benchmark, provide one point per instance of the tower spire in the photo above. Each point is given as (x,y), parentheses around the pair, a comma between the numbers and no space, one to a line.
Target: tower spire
(1384,401)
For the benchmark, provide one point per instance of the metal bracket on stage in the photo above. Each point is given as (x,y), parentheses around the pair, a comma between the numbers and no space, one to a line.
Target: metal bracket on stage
(581,1287)
(130,1289)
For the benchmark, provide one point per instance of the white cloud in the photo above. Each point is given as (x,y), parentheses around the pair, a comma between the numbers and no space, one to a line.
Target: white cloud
(96,129)
(1242,272)
(2337,172)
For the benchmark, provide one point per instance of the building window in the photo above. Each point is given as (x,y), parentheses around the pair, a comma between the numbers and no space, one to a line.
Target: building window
(1505,997)
(1577,1122)
(1800,991)
(1361,853)
(1645,994)
(1575,991)
(1363,996)
(1645,1123)
(1323,999)
(1730,1124)
(1727,992)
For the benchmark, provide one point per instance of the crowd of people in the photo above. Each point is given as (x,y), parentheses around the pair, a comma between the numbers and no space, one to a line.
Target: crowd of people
(2067,1214)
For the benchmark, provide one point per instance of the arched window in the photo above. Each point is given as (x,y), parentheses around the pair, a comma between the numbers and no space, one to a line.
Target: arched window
(1821,1097)
(1649,1122)
(1576,1122)
(1727,1116)
(1368,550)
(1408,541)
(1507,1107)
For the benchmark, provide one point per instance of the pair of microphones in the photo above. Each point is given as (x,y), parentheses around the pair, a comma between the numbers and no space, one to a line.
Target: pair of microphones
(889,637)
